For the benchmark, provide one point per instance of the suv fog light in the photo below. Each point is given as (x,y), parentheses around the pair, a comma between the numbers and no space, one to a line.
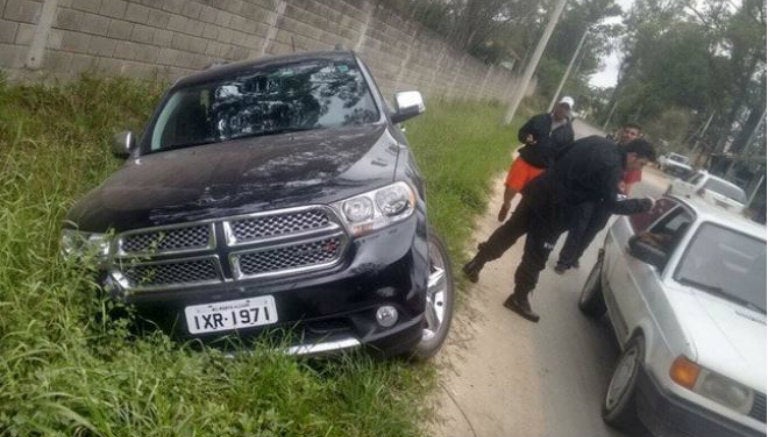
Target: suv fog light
(386,316)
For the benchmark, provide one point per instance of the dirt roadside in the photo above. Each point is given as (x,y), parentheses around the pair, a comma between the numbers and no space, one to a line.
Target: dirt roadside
(479,381)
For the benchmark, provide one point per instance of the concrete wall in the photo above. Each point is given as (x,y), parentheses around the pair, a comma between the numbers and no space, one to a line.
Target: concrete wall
(59,39)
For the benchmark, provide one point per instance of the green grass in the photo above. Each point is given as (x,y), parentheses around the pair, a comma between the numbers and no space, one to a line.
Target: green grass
(460,147)
(64,371)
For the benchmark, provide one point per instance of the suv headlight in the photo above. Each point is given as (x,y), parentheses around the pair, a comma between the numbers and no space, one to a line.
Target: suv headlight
(712,385)
(77,244)
(376,209)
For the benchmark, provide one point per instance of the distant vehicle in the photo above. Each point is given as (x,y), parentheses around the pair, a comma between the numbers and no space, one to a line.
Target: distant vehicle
(684,288)
(675,164)
(715,190)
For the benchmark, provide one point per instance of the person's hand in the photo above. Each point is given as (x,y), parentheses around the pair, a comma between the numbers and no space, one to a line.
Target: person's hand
(647,204)
(503,211)
(529,139)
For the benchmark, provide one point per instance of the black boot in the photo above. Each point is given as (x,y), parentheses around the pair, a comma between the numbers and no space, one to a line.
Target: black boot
(473,267)
(519,304)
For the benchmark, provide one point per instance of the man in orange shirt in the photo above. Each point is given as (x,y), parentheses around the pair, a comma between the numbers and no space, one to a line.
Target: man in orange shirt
(591,218)
(545,137)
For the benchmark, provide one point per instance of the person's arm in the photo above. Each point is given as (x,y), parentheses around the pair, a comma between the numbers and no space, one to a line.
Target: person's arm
(526,133)
(509,194)
(610,193)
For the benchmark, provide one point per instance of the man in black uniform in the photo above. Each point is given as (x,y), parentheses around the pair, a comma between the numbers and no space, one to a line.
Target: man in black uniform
(592,219)
(590,171)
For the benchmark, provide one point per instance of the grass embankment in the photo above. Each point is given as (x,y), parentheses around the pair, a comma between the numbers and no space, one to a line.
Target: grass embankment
(63,372)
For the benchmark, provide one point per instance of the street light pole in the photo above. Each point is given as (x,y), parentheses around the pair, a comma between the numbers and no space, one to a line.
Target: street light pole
(534,62)
(568,70)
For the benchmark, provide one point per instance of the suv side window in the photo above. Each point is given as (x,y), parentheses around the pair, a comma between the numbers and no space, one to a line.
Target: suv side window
(641,222)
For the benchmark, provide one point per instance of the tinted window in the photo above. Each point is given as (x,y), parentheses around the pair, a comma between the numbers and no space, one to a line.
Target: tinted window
(727,263)
(726,189)
(640,222)
(291,97)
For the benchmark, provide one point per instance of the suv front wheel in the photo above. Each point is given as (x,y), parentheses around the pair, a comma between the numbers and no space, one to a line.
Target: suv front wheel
(440,301)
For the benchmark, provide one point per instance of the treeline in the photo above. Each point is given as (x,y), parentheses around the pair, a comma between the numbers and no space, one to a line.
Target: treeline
(692,72)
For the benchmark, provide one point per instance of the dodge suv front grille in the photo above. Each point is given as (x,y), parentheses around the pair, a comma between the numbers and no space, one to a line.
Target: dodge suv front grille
(312,254)
(264,226)
(175,272)
(272,244)
(167,240)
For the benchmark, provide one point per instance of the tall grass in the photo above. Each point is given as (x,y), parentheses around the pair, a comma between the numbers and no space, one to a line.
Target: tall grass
(460,147)
(64,370)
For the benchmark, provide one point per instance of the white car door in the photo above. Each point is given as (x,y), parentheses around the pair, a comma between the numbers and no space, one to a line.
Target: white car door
(635,286)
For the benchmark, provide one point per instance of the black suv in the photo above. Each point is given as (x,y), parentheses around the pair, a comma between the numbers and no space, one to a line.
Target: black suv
(276,193)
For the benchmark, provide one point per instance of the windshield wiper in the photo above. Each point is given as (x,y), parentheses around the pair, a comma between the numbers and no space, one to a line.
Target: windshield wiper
(281,130)
(714,289)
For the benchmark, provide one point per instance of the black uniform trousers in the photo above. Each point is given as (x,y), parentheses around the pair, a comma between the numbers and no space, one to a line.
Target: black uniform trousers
(589,219)
(541,236)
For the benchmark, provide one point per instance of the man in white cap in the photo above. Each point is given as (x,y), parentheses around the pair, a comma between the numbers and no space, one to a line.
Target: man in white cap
(545,137)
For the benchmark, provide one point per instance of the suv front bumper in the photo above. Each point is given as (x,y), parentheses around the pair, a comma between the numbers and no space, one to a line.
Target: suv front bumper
(323,310)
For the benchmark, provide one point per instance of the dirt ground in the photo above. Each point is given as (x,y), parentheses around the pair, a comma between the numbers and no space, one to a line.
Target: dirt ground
(480,346)
(501,375)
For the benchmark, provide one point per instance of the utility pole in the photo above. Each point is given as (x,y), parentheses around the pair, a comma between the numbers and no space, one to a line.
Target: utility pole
(534,62)
(610,114)
(699,135)
(751,138)
(568,70)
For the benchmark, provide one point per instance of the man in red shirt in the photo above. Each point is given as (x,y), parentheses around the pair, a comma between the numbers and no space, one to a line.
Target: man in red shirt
(591,219)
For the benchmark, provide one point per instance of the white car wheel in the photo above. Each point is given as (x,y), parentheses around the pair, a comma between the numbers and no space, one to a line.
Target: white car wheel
(591,301)
(619,403)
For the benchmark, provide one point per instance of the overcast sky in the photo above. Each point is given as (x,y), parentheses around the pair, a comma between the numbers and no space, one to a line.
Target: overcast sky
(609,70)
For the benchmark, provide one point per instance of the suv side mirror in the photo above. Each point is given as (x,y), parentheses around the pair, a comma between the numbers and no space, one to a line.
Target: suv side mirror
(123,144)
(408,104)
(647,252)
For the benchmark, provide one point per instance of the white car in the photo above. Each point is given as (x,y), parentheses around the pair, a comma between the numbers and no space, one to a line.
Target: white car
(675,164)
(684,287)
(715,190)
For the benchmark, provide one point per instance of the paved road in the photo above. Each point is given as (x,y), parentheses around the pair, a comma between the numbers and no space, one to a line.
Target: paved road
(504,376)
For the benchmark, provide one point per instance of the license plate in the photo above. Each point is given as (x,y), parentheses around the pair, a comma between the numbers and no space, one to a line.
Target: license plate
(230,315)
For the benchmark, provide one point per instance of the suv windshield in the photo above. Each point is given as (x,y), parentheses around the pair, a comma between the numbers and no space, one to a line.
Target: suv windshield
(726,189)
(307,95)
(727,263)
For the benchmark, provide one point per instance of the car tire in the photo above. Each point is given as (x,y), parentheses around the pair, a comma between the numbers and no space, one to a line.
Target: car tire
(440,301)
(619,407)
(591,300)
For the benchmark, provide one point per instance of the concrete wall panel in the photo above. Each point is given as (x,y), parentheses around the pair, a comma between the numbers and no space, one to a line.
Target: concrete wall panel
(170,38)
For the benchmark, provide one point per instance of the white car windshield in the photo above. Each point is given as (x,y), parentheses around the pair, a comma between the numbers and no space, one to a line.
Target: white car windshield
(727,263)
(726,189)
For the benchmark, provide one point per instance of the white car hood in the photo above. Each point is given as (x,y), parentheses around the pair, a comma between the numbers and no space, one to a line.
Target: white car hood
(724,336)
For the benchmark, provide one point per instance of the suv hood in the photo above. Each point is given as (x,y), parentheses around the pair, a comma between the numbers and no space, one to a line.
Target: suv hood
(241,176)
(724,336)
